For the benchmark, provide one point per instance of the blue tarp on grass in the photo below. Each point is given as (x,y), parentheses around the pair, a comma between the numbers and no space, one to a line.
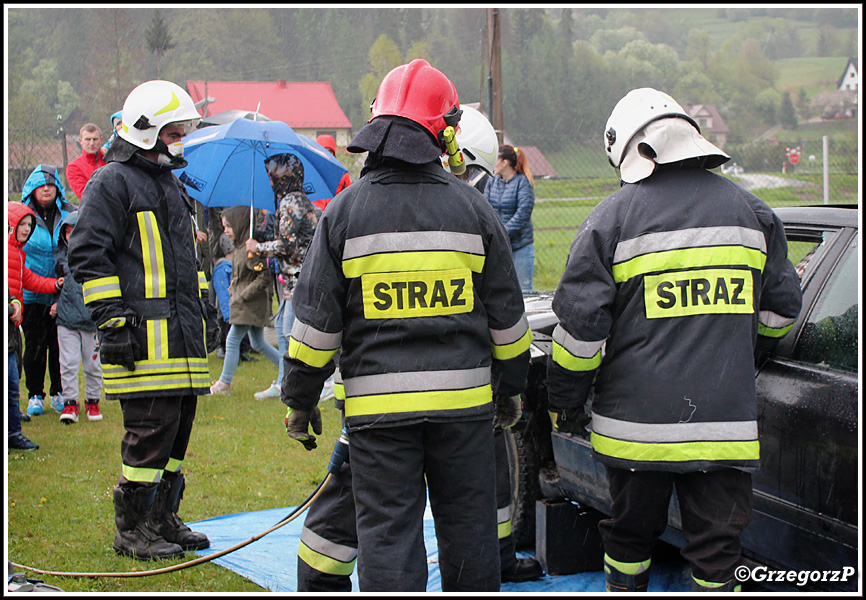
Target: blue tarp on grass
(272,561)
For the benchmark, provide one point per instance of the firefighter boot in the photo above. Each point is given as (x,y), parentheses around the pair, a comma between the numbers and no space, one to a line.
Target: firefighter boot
(166,521)
(625,577)
(699,585)
(136,536)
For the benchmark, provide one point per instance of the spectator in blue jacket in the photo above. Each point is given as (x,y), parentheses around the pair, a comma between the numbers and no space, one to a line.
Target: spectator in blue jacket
(510,192)
(43,192)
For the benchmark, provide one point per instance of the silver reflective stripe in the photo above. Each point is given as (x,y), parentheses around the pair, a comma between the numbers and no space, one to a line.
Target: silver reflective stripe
(420,381)
(502,337)
(503,515)
(574,346)
(689,238)
(675,432)
(773,320)
(410,241)
(319,544)
(318,340)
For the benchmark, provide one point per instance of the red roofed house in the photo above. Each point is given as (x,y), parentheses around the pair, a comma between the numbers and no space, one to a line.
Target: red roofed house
(712,124)
(308,107)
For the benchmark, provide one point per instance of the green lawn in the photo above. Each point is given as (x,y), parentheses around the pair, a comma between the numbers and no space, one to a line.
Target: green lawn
(59,507)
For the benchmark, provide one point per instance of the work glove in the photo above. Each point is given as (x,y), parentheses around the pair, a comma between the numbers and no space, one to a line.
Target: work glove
(573,421)
(117,346)
(298,423)
(508,411)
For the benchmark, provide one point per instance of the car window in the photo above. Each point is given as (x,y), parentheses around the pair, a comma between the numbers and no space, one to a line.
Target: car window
(805,247)
(829,336)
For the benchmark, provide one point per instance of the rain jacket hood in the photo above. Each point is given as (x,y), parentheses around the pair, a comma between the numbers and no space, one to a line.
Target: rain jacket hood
(20,276)
(17,211)
(43,175)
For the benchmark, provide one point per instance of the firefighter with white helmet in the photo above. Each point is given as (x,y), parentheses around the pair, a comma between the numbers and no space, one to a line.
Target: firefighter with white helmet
(133,250)
(409,278)
(675,286)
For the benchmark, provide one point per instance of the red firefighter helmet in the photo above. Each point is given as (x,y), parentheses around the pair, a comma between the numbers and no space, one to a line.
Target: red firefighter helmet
(419,92)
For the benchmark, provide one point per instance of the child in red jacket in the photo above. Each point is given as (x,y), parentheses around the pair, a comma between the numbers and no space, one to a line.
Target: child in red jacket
(21,222)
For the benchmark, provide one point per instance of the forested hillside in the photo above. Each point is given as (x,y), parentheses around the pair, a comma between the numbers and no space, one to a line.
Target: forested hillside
(563,68)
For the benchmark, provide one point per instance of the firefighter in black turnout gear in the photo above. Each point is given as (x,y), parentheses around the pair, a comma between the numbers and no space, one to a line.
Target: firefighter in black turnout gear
(329,543)
(410,277)
(133,250)
(675,285)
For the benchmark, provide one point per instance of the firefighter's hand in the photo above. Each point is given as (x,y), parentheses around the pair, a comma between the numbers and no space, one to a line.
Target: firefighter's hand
(117,346)
(508,411)
(572,421)
(298,423)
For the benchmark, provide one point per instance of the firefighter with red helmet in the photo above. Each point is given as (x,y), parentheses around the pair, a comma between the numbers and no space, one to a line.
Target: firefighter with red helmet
(410,278)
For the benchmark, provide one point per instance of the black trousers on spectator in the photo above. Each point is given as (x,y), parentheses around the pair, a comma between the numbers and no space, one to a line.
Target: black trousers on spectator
(157,430)
(389,468)
(40,350)
(715,507)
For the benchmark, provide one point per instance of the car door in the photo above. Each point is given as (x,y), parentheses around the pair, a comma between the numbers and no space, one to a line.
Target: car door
(806,493)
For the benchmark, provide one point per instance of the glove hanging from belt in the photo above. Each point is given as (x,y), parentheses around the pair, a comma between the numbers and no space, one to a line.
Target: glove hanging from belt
(117,345)
(298,423)
(508,411)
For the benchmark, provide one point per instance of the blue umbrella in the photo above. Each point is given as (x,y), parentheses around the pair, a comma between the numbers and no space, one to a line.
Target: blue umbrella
(227,163)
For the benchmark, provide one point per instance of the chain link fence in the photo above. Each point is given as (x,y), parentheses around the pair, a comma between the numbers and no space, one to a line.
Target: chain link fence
(572,177)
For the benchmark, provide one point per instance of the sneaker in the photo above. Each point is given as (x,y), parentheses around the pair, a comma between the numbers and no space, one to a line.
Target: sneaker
(35,406)
(220,353)
(57,403)
(272,392)
(220,388)
(70,413)
(19,442)
(92,410)
(328,389)
(248,357)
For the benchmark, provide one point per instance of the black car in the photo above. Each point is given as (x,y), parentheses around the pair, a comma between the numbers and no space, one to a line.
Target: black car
(807,494)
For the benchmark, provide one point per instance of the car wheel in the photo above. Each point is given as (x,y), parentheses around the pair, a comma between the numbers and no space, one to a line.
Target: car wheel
(524,464)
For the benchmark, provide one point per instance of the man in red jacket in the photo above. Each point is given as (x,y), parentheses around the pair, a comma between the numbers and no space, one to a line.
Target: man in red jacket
(78,172)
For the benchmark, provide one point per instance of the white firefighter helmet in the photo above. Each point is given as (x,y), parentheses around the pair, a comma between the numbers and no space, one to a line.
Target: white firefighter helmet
(151,106)
(477,139)
(647,128)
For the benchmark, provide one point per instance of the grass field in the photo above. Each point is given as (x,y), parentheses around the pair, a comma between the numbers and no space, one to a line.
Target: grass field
(59,505)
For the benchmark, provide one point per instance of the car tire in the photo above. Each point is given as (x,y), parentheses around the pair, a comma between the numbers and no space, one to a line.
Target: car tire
(524,461)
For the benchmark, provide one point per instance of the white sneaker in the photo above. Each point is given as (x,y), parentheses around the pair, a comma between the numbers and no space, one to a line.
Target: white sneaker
(272,392)
(327,389)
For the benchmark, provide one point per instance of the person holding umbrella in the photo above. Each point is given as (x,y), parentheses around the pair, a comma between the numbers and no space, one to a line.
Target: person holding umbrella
(296,223)
(133,251)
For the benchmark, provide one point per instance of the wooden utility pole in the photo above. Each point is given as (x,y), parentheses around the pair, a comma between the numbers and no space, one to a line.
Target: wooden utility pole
(494,71)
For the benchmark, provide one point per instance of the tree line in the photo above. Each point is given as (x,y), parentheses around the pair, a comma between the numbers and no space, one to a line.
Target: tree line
(563,68)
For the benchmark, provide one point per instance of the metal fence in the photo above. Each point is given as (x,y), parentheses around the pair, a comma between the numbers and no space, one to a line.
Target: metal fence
(572,177)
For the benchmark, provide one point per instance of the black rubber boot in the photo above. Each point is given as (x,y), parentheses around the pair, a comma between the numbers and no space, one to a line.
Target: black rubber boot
(523,569)
(617,581)
(728,586)
(136,536)
(169,525)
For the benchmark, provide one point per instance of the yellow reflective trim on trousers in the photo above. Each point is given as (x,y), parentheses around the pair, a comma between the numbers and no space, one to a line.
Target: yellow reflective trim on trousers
(324,564)
(101,288)
(773,332)
(503,530)
(676,451)
(140,475)
(569,361)
(699,292)
(412,261)
(173,465)
(635,568)
(308,355)
(152,257)
(506,351)
(689,257)
(418,401)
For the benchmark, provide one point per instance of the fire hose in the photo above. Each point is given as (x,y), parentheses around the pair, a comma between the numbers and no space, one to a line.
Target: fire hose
(338,457)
